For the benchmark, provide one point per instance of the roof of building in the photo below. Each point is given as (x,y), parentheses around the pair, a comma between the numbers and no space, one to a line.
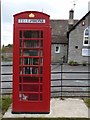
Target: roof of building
(7,49)
(59,39)
(83,18)
(59,31)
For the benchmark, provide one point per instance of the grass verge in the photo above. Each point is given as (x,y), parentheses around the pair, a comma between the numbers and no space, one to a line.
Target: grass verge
(87,102)
(6,101)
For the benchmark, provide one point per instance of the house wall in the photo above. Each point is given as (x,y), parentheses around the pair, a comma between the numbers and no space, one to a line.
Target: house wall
(76,39)
(56,57)
(7,56)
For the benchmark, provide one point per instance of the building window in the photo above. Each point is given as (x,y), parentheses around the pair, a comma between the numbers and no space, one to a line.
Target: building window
(87,31)
(86,41)
(57,49)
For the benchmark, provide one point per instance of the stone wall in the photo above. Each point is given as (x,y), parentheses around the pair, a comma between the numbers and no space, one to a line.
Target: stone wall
(57,57)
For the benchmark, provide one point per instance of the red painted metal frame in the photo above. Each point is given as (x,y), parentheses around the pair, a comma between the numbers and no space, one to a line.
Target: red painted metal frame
(42,106)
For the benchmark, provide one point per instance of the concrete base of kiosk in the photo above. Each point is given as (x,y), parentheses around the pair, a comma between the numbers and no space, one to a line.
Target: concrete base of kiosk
(67,108)
(30,112)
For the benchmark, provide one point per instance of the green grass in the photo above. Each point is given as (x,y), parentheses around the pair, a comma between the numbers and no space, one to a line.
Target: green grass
(87,102)
(6,101)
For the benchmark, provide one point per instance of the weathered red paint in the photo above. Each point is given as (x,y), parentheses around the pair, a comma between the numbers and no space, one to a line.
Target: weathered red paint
(31,64)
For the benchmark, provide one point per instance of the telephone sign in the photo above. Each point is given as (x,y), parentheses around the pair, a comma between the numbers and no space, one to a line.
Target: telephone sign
(31,20)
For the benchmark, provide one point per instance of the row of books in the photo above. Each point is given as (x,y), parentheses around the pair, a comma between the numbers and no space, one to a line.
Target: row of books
(32,61)
(32,70)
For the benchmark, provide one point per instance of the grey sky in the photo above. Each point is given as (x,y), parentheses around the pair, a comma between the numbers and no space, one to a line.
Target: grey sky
(57,9)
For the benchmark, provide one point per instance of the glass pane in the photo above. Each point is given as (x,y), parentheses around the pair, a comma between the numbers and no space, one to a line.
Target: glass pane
(26,61)
(31,43)
(33,34)
(29,96)
(41,79)
(30,79)
(33,97)
(35,61)
(30,70)
(20,33)
(41,61)
(41,43)
(21,70)
(31,61)
(40,53)
(57,48)
(41,88)
(86,42)
(21,53)
(27,70)
(30,87)
(20,79)
(41,97)
(86,38)
(30,52)
(41,34)
(21,61)
(87,32)
(21,43)
(41,70)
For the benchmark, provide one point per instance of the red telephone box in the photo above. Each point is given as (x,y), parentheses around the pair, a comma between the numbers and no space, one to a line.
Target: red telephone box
(31,62)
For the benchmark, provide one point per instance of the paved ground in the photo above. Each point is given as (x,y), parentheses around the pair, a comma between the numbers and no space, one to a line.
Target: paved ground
(0,116)
(69,108)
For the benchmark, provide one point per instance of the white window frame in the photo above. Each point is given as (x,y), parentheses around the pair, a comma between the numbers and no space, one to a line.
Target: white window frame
(86,36)
(56,48)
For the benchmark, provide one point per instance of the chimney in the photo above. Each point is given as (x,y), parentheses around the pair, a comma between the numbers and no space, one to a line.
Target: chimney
(71,21)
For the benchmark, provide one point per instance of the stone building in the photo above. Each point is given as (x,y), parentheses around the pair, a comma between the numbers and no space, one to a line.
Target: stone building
(70,40)
(59,40)
(79,40)
(7,53)
(59,51)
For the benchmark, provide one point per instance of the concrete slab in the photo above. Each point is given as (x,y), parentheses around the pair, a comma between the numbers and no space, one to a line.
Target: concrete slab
(69,108)
(0,116)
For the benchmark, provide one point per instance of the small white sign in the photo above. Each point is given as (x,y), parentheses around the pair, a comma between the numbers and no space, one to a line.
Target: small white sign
(31,20)
(85,52)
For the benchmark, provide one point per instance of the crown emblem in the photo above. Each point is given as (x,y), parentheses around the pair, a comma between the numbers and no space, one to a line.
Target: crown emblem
(31,15)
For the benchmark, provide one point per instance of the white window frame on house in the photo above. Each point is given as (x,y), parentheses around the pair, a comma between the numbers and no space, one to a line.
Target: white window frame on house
(57,49)
(86,39)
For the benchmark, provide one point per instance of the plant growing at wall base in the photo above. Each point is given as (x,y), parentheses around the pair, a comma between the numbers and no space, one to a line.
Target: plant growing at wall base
(73,63)
(84,63)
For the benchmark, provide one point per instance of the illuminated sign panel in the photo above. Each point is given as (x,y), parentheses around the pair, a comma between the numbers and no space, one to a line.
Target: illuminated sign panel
(31,20)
